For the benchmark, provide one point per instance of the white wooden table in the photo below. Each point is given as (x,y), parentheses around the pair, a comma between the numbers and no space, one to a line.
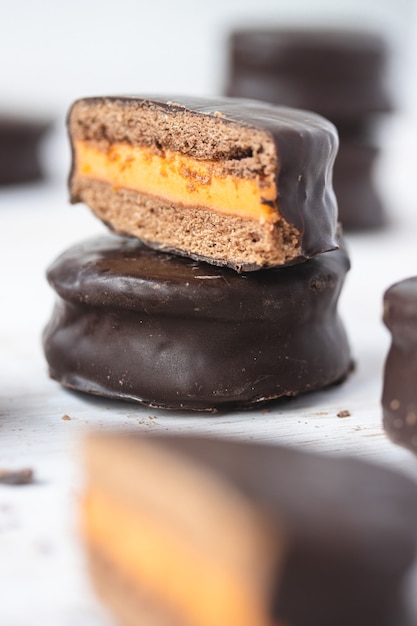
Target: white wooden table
(42,573)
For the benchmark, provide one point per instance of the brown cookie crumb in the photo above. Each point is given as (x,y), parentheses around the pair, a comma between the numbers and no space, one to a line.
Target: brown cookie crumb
(16,477)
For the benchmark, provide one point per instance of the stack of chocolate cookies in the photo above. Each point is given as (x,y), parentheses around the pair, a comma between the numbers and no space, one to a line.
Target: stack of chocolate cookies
(220,288)
(340,74)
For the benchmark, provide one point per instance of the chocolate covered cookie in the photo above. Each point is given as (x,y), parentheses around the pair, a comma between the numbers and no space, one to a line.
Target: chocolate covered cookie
(339,73)
(399,398)
(20,143)
(190,530)
(137,324)
(232,182)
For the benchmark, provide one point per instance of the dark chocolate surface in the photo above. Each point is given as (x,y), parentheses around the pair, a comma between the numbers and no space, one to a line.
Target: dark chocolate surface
(20,159)
(360,207)
(137,324)
(399,397)
(306,145)
(338,73)
(351,527)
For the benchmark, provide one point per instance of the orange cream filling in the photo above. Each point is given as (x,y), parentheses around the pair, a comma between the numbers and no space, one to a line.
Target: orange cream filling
(177,178)
(193,582)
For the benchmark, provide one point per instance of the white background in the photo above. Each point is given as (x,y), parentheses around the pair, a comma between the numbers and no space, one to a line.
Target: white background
(53,52)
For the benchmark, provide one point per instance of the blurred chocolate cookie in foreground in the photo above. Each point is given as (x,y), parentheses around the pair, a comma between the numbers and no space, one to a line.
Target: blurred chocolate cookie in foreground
(399,398)
(341,74)
(20,149)
(205,532)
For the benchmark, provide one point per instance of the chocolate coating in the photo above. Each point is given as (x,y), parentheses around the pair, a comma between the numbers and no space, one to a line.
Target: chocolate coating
(338,73)
(399,397)
(360,207)
(137,324)
(306,146)
(350,526)
(20,140)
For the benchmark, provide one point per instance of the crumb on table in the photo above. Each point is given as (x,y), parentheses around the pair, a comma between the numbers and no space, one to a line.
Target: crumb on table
(16,477)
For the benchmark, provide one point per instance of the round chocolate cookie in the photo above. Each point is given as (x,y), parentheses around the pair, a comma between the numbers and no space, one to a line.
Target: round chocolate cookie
(239,183)
(20,139)
(136,324)
(399,397)
(337,73)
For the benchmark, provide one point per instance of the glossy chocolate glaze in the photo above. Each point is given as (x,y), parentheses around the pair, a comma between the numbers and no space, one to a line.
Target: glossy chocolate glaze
(338,73)
(350,526)
(137,324)
(20,160)
(306,146)
(399,397)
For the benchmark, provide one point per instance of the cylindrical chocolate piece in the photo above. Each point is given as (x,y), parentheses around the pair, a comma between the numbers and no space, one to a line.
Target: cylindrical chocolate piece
(20,159)
(399,398)
(136,324)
